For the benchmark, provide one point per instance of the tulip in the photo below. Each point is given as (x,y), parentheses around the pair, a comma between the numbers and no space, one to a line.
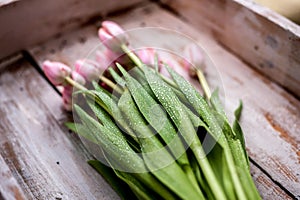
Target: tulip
(193,57)
(147,56)
(56,72)
(106,57)
(67,97)
(109,58)
(89,69)
(112,36)
(78,78)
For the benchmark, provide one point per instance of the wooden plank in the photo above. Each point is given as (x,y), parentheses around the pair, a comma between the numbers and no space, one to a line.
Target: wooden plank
(267,106)
(4,2)
(289,9)
(26,23)
(268,190)
(264,39)
(9,187)
(47,161)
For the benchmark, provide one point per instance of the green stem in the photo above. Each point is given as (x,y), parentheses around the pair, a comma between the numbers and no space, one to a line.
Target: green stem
(234,175)
(203,83)
(207,170)
(192,177)
(74,83)
(81,87)
(132,56)
(111,84)
(229,157)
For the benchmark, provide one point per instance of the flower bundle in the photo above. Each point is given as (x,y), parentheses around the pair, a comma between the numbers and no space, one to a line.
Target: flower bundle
(159,136)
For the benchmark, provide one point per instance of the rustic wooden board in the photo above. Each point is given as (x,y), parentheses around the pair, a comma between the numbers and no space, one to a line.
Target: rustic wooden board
(4,2)
(9,187)
(39,158)
(271,115)
(266,187)
(28,22)
(261,37)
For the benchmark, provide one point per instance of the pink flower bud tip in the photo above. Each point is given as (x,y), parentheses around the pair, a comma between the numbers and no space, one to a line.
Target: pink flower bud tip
(112,35)
(56,72)
(88,69)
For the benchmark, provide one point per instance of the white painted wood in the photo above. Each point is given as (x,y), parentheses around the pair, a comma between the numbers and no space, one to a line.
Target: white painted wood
(4,2)
(29,22)
(9,187)
(267,41)
(39,158)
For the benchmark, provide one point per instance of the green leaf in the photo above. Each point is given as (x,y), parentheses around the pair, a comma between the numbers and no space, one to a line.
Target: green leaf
(156,157)
(81,130)
(170,173)
(238,130)
(114,144)
(136,186)
(110,105)
(198,103)
(119,80)
(117,148)
(108,122)
(154,115)
(203,109)
(112,179)
(216,103)
(71,126)
(238,111)
(201,180)
(240,156)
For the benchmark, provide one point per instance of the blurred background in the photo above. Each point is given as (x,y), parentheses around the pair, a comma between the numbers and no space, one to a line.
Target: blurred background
(287,8)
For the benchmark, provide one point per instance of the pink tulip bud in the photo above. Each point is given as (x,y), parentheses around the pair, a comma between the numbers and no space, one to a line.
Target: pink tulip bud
(112,35)
(106,57)
(147,56)
(78,78)
(193,58)
(89,69)
(109,58)
(67,97)
(56,72)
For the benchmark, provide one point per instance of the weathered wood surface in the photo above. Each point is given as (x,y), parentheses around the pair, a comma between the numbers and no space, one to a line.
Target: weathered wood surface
(266,187)
(28,22)
(4,2)
(39,158)
(271,115)
(261,37)
(9,187)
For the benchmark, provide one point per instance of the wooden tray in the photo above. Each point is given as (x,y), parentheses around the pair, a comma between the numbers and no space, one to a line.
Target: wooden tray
(255,50)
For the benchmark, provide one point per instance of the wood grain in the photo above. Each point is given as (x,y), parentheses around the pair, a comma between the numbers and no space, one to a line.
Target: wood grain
(264,39)
(4,2)
(45,160)
(267,106)
(268,190)
(9,187)
(27,23)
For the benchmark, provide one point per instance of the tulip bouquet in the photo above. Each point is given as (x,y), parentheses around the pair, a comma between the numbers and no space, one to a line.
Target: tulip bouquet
(159,138)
